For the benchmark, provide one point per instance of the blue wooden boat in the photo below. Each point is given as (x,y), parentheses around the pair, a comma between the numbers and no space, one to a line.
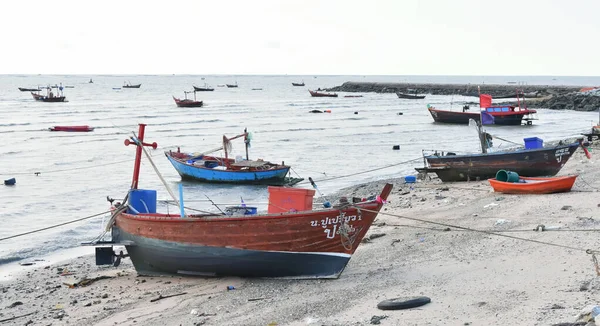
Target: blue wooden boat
(205,168)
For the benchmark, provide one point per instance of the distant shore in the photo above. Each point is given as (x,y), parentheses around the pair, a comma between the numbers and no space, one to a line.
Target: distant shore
(537,96)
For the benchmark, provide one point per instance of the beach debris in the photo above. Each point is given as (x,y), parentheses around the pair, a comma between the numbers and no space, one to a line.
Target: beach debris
(15,317)
(443,189)
(566,207)
(501,221)
(585,285)
(194,312)
(395,241)
(396,147)
(403,303)
(376,320)
(87,281)
(542,227)
(160,296)
(439,197)
(10,182)
(272,323)
(557,306)
(490,205)
(499,198)
(588,314)
(14,304)
(255,299)
(230,287)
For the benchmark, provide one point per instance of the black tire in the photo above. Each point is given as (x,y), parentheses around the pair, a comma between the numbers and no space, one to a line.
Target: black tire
(403,303)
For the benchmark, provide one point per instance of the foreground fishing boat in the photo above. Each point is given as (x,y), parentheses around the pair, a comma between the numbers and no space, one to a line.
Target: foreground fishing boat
(72,128)
(527,185)
(205,168)
(295,244)
(546,161)
(319,94)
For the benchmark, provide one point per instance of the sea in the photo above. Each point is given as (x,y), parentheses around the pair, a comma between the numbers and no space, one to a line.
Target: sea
(64,176)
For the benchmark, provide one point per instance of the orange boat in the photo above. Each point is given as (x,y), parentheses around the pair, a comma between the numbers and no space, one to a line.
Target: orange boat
(527,185)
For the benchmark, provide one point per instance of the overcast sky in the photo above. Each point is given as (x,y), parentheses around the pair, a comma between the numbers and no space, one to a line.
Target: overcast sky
(348,37)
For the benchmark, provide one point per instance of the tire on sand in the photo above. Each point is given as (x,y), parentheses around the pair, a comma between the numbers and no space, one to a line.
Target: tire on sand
(403,303)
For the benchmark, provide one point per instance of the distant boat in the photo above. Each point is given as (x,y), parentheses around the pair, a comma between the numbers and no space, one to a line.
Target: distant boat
(69,86)
(353,96)
(29,89)
(221,85)
(257,89)
(318,94)
(50,96)
(232,85)
(91,81)
(298,84)
(188,103)
(72,128)
(412,97)
(116,88)
(204,88)
(129,85)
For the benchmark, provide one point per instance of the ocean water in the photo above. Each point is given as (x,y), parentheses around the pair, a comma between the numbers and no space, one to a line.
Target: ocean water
(77,171)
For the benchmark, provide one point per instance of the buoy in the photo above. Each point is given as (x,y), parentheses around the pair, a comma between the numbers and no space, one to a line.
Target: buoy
(400,113)
(396,147)
(327,111)
(10,182)
(355,112)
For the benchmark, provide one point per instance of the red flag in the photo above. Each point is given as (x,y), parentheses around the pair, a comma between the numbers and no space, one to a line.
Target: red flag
(485,100)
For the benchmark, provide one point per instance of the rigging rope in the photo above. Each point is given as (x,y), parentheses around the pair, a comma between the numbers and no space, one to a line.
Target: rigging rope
(71,169)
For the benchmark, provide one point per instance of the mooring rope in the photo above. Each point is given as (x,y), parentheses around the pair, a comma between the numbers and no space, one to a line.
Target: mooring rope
(53,226)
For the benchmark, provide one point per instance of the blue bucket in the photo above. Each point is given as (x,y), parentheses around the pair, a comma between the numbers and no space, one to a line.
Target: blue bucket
(507,176)
(410,179)
(143,201)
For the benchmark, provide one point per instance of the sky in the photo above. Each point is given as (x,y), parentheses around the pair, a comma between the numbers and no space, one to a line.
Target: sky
(306,37)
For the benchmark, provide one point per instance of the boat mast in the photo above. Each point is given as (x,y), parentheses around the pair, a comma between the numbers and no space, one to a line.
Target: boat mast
(479,125)
(139,142)
(246,140)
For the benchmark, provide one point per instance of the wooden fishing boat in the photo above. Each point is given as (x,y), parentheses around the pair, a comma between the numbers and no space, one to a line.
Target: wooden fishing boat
(129,85)
(50,97)
(204,88)
(546,161)
(528,185)
(72,128)
(298,84)
(319,94)
(412,97)
(232,85)
(503,115)
(188,103)
(295,244)
(205,168)
(29,89)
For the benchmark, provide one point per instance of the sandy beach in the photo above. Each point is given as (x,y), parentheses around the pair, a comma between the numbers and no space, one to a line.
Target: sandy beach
(472,278)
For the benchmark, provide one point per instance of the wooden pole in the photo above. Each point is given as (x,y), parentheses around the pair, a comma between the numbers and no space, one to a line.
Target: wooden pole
(246,142)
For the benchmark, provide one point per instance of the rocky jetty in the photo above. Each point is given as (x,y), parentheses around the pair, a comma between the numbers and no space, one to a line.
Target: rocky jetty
(537,96)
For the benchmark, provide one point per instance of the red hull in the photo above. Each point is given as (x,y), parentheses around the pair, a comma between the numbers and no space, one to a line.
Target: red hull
(534,185)
(72,128)
(317,94)
(309,231)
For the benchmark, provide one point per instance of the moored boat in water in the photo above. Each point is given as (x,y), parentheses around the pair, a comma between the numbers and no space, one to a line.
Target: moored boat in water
(188,103)
(50,96)
(288,243)
(206,168)
(129,85)
(409,96)
(72,128)
(321,94)
(204,88)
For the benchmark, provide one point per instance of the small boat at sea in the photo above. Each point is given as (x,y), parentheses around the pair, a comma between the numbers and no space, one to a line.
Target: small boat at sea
(205,168)
(502,114)
(72,128)
(285,242)
(232,85)
(129,85)
(529,185)
(204,88)
(298,84)
(351,96)
(321,94)
(30,89)
(409,96)
(188,103)
(91,81)
(50,96)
